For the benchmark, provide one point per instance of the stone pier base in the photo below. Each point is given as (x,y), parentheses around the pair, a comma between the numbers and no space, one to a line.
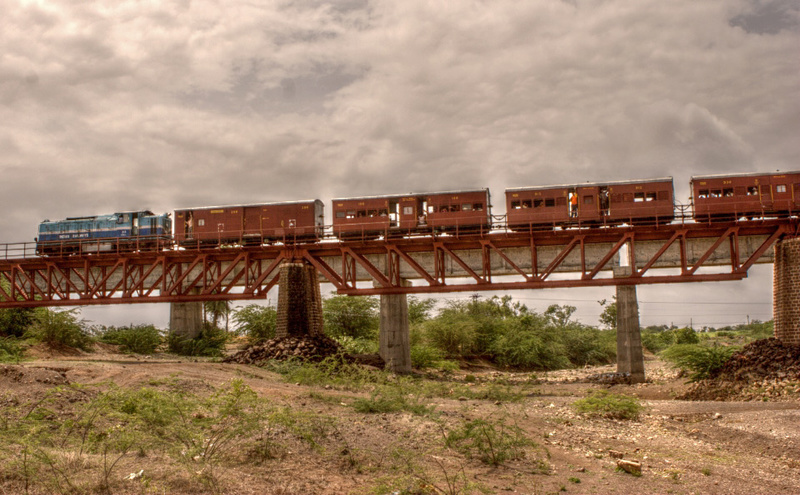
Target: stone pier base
(630,357)
(786,291)
(299,301)
(186,319)
(395,347)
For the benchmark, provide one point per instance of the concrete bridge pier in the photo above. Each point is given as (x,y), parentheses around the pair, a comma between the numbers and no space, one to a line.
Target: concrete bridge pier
(186,318)
(630,357)
(299,301)
(786,291)
(394,339)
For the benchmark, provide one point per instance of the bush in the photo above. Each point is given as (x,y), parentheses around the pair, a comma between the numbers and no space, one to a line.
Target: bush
(10,350)
(210,342)
(700,361)
(59,329)
(492,442)
(454,334)
(357,346)
(602,403)
(350,316)
(14,321)
(531,342)
(256,322)
(139,339)
(586,346)
(686,336)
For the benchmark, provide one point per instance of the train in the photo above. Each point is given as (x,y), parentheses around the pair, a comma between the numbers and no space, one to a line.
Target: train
(714,198)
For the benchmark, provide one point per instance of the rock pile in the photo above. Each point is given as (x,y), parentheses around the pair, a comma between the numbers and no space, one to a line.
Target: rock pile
(312,348)
(763,370)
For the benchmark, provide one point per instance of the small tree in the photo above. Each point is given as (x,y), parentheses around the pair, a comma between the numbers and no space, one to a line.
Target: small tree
(608,318)
(351,316)
(59,328)
(256,322)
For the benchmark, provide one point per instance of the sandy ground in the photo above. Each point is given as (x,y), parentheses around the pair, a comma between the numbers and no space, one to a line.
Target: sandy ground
(684,447)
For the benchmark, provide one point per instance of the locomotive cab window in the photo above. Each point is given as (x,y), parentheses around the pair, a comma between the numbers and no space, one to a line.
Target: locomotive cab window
(781,188)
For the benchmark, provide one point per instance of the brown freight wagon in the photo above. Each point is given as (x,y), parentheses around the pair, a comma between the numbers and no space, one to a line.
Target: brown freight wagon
(607,203)
(449,211)
(729,197)
(250,224)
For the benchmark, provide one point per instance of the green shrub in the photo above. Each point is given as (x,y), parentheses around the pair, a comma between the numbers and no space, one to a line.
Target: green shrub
(686,336)
(256,322)
(352,345)
(14,321)
(700,361)
(59,329)
(388,399)
(351,316)
(492,442)
(586,346)
(210,342)
(10,350)
(602,403)
(139,339)
(455,335)
(530,343)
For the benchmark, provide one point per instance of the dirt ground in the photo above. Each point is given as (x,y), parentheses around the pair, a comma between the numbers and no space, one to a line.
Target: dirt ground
(684,447)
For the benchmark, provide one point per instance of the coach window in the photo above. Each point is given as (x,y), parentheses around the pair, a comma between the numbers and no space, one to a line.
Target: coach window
(516,205)
(340,214)
(466,206)
(361,213)
(477,207)
(728,192)
(538,203)
(716,193)
(651,196)
(373,213)
(549,202)
(408,210)
(703,193)
(781,188)
(444,209)
(752,191)
(638,197)
(201,222)
(455,207)
(527,203)
(351,213)
(384,212)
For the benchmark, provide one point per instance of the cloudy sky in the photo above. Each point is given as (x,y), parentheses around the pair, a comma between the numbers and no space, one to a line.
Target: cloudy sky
(108,106)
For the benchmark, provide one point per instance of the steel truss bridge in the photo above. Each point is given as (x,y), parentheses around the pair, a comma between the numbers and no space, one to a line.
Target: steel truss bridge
(673,253)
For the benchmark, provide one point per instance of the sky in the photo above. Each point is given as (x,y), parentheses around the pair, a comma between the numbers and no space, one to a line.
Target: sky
(125,105)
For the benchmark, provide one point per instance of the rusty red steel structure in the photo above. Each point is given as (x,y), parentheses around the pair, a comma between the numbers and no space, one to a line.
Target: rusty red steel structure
(249,272)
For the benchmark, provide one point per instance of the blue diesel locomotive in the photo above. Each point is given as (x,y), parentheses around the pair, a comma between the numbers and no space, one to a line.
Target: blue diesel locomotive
(129,230)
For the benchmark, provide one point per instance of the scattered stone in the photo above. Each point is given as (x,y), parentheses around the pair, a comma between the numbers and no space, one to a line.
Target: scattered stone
(312,348)
(762,370)
(615,454)
(610,378)
(631,467)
